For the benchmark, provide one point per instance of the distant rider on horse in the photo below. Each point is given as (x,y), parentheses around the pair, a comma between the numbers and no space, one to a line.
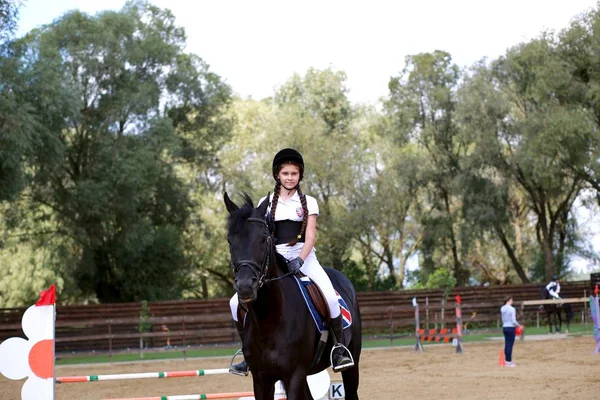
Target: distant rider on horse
(553,288)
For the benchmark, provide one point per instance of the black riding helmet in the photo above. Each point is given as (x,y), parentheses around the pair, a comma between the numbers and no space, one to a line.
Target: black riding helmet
(554,277)
(288,155)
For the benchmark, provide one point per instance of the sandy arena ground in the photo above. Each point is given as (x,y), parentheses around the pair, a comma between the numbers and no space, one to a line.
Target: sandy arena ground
(547,369)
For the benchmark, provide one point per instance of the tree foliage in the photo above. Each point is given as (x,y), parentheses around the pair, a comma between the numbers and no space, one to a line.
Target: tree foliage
(116,146)
(118,102)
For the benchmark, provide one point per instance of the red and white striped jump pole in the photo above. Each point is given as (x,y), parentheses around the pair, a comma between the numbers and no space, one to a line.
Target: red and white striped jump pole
(142,375)
(192,396)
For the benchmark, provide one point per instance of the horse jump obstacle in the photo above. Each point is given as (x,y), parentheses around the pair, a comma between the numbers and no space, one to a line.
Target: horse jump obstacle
(279,390)
(143,375)
(193,396)
(150,375)
(545,302)
(34,359)
(443,334)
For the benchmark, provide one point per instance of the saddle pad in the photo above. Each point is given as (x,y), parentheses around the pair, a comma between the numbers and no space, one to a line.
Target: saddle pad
(303,282)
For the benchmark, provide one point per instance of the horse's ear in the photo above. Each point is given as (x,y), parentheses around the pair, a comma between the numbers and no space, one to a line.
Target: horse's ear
(230,205)
(262,208)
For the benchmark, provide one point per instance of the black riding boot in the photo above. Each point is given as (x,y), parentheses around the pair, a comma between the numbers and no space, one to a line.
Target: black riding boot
(240,368)
(340,355)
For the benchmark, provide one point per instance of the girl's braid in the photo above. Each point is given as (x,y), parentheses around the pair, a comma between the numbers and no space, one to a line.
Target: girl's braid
(304,216)
(274,203)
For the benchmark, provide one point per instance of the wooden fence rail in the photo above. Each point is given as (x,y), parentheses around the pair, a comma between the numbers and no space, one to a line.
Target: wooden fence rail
(208,322)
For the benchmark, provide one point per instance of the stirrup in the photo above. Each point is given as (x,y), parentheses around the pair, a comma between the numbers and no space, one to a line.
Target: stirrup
(238,369)
(346,353)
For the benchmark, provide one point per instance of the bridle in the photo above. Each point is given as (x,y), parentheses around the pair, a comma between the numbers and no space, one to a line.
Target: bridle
(259,271)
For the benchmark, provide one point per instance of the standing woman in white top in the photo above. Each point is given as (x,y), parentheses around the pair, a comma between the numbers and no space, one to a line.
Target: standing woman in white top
(295,219)
(509,327)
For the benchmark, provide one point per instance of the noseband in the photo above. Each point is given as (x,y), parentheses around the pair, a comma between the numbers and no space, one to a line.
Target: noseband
(259,271)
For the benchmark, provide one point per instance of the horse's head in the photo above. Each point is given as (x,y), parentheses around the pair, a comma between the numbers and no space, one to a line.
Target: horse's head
(250,246)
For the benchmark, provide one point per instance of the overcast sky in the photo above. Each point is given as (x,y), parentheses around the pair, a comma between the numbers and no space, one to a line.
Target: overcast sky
(255,45)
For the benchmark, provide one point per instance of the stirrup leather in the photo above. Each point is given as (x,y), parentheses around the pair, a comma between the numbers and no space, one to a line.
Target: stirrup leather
(346,353)
(240,371)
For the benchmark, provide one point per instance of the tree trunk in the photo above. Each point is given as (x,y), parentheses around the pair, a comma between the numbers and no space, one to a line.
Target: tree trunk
(107,291)
(458,272)
(511,254)
(549,268)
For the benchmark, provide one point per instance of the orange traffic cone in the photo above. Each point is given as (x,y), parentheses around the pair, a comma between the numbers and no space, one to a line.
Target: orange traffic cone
(501,359)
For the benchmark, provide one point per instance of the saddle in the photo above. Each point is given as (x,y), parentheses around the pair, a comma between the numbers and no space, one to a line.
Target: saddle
(315,302)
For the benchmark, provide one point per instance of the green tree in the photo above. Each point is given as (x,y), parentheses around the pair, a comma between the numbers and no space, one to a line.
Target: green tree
(422,104)
(320,93)
(16,122)
(522,128)
(387,208)
(121,105)
(9,12)
(578,48)
(492,205)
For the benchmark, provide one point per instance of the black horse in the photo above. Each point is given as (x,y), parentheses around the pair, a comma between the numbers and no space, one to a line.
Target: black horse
(554,312)
(279,337)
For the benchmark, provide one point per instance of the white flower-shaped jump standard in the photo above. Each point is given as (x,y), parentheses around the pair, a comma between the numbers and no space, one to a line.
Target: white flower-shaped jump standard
(33,358)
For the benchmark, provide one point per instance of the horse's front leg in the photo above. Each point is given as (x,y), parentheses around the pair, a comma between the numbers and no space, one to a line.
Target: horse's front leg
(549,315)
(264,387)
(296,387)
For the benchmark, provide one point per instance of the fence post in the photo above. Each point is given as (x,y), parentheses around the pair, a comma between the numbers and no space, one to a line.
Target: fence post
(442,325)
(584,318)
(523,319)
(184,340)
(144,326)
(418,344)
(391,324)
(458,312)
(109,341)
(427,312)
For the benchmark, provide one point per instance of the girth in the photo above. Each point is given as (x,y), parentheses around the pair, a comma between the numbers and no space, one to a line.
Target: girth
(287,230)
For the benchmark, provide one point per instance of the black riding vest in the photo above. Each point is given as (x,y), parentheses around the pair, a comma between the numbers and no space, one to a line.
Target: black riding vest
(287,230)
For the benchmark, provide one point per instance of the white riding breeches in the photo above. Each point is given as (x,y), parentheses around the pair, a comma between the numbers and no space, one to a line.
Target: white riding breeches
(312,269)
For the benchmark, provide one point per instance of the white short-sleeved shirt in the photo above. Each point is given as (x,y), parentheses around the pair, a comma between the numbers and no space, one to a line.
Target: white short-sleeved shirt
(292,208)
